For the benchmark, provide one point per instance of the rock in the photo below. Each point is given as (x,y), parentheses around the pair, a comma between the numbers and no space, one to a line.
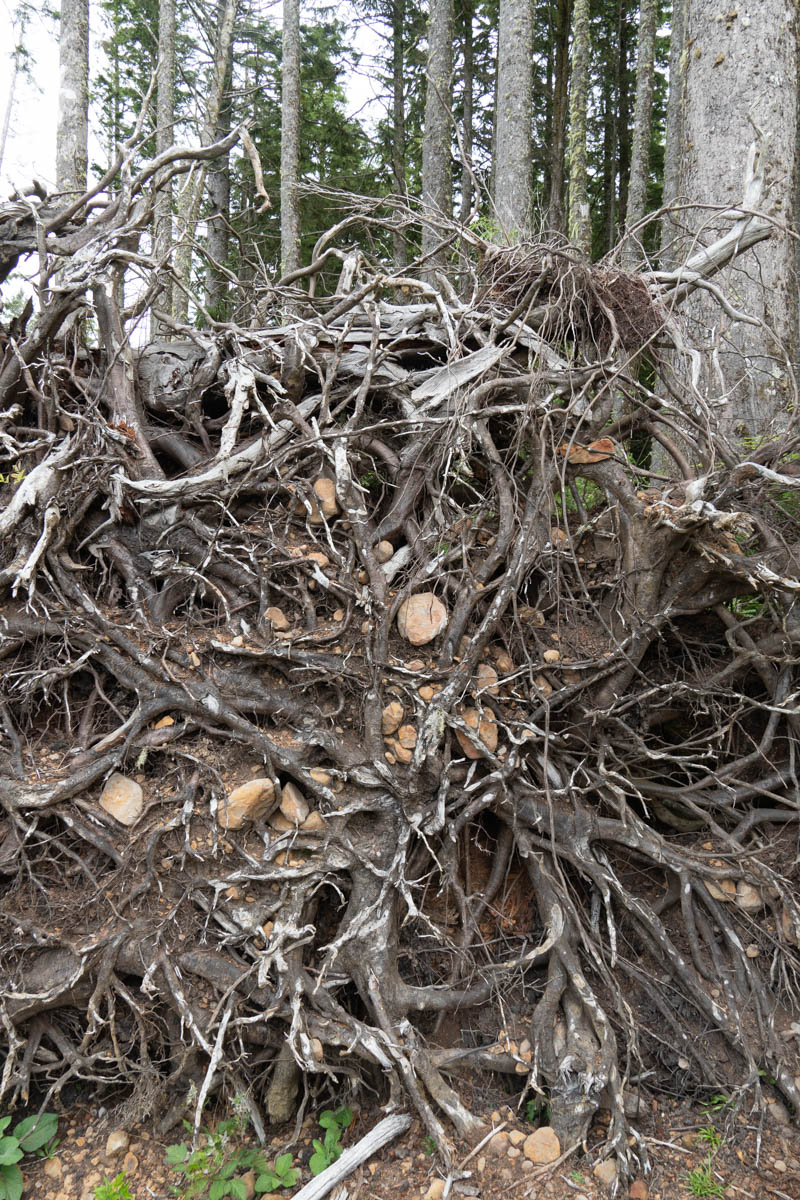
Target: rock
(543,689)
(486,679)
(779,1113)
(513,1152)
(421,618)
(325,491)
(503,660)
(122,798)
(130,1163)
(638,1190)
(53,1168)
(293,804)
(282,1091)
(313,823)
(400,753)
(551,656)
(498,1144)
(486,728)
(516,1137)
(117,1142)
(480,1165)
(384,551)
(249,802)
(165,722)
(748,898)
(780,1166)
(634,1104)
(724,890)
(426,693)
(317,1050)
(280,823)
(436,1190)
(323,778)
(606,1173)
(391,717)
(407,736)
(542,1146)
(752,950)
(249,1181)
(277,619)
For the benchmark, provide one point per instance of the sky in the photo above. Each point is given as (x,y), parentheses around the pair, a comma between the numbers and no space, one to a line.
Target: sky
(31,146)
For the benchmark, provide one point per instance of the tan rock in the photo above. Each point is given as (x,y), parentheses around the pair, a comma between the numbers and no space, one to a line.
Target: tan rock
(542,1146)
(503,660)
(293,804)
(551,656)
(486,679)
(725,889)
(421,618)
(248,802)
(130,1163)
(325,491)
(606,1173)
(249,1181)
(316,1049)
(638,1190)
(53,1168)
(513,1152)
(401,753)
(542,687)
(436,1190)
(391,718)
(407,736)
(748,897)
(498,1144)
(426,693)
(318,557)
(277,619)
(165,722)
(415,664)
(280,823)
(323,778)
(123,799)
(384,551)
(485,727)
(313,823)
(516,1137)
(752,950)
(117,1142)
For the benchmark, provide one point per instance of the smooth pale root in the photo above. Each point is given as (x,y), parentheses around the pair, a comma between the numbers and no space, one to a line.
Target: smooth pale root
(485,727)
(251,800)
(421,618)
(122,798)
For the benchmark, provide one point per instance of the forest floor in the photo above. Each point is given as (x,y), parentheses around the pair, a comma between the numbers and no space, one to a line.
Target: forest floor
(754,1159)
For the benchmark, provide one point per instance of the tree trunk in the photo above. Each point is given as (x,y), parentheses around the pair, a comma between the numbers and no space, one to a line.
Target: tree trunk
(219,195)
(290,138)
(73,97)
(741,91)
(193,195)
(467,15)
(512,179)
(165,120)
(675,107)
(580,228)
(556,217)
(437,178)
(642,113)
(398,122)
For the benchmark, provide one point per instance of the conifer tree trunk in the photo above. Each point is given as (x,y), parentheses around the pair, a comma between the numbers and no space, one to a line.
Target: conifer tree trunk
(165,119)
(437,181)
(468,81)
(512,178)
(556,217)
(580,230)
(290,138)
(642,114)
(675,106)
(398,122)
(741,91)
(73,97)
(219,196)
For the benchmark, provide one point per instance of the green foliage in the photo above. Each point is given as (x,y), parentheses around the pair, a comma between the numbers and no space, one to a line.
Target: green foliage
(29,1135)
(329,1149)
(710,1136)
(701,1181)
(718,1102)
(113,1189)
(210,1169)
(14,476)
(429,1145)
(537,1109)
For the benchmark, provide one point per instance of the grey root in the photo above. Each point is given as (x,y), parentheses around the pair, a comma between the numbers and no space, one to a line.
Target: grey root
(568,786)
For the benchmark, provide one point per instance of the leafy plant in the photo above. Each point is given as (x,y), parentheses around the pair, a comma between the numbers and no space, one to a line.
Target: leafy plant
(576,1176)
(329,1149)
(29,1135)
(280,1175)
(537,1109)
(718,1102)
(113,1189)
(701,1181)
(429,1145)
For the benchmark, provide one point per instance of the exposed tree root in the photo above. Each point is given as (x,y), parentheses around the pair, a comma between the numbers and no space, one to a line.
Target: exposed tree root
(580,827)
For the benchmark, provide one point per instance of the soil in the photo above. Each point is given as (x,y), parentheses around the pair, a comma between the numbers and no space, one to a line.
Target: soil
(758,1156)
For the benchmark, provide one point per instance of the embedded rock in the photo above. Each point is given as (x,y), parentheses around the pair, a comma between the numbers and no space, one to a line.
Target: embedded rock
(249,802)
(485,727)
(542,1146)
(123,799)
(421,618)
(391,718)
(293,804)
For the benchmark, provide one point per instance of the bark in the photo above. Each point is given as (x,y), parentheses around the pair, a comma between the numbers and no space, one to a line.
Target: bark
(580,228)
(741,88)
(399,122)
(73,97)
(290,138)
(556,217)
(165,120)
(219,193)
(192,197)
(675,108)
(513,165)
(467,83)
(437,170)
(642,116)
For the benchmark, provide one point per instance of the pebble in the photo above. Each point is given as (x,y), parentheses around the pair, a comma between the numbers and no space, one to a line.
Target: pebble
(542,1146)
(53,1168)
(130,1163)
(638,1190)
(436,1190)
(421,618)
(780,1165)
(516,1137)
(117,1142)
(123,799)
(499,1143)
(514,1152)
(606,1172)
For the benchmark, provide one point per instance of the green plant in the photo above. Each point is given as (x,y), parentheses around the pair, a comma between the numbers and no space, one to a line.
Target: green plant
(709,1135)
(280,1175)
(210,1168)
(718,1102)
(329,1149)
(701,1181)
(537,1109)
(429,1145)
(113,1189)
(576,1176)
(29,1135)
